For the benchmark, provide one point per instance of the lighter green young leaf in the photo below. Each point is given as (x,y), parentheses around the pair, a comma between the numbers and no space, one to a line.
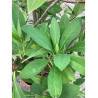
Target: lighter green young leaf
(61,60)
(33,68)
(55,33)
(71,31)
(41,38)
(17,90)
(78,63)
(34,4)
(55,82)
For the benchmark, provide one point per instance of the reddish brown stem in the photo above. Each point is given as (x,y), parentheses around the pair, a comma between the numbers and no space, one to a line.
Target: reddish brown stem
(16,67)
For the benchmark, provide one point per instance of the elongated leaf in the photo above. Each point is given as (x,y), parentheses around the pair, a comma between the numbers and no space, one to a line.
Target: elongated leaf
(17,90)
(55,33)
(36,89)
(78,9)
(78,47)
(78,63)
(70,74)
(55,82)
(17,14)
(63,23)
(38,37)
(44,29)
(69,91)
(34,4)
(33,68)
(71,31)
(38,52)
(61,60)
(16,37)
(65,79)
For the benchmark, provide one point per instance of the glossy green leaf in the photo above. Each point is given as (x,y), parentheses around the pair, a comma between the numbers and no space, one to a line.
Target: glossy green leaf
(69,91)
(18,93)
(77,63)
(61,60)
(55,82)
(71,31)
(69,72)
(34,4)
(33,68)
(36,89)
(38,37)
(55,33)
(78,47)
(63,23)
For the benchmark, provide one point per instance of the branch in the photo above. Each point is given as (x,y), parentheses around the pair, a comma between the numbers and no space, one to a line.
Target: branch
(16,67)
(73,41)
(55,2)
(49,1)
(67,1)
(34,16)
(73,1)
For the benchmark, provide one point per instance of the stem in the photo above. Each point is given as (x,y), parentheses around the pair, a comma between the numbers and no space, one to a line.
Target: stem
(34,16)
(55,2)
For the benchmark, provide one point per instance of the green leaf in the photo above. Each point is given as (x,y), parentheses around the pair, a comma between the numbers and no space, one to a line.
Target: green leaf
(38,37)
(79,81)
(61,60)
(69,91)
(17,14)
(37,52)
(36,89)
(70,74)
(63,23)
(37,79)
(16,37)
(78,63)
(17,90)
(55,32)
(78,47)
(54,82)
(34,4)
(28,95)
(65,79)
(71,31)
(33,68)
(19,29)
(78,9)
(55,9)
(44,29)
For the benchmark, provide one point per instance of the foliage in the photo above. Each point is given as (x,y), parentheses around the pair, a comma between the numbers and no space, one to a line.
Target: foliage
(43,58)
